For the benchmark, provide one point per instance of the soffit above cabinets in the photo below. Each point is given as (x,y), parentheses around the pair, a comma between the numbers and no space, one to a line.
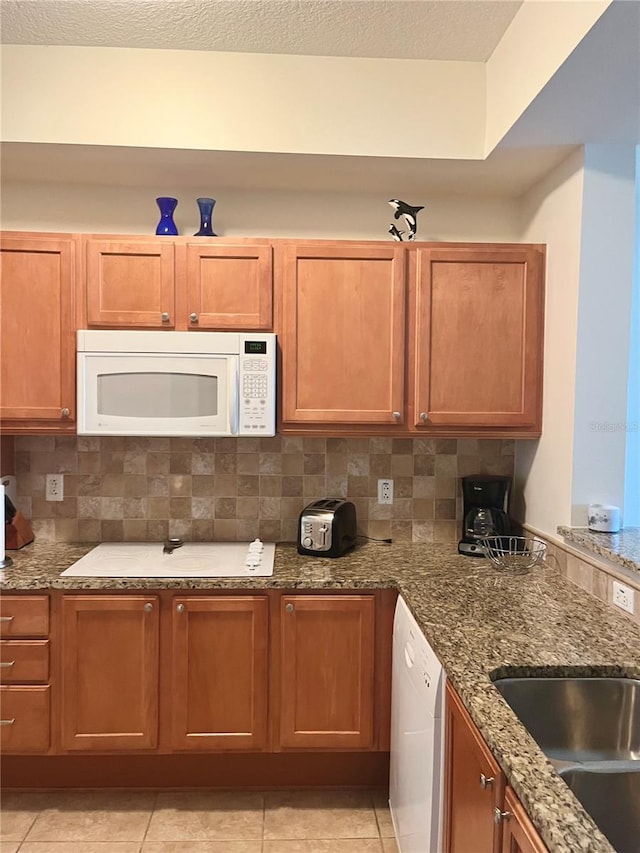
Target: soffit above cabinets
(465,30)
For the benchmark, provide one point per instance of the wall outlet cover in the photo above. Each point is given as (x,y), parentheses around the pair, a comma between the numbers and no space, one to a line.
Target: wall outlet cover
(54,489)
(623,596)
(385,491)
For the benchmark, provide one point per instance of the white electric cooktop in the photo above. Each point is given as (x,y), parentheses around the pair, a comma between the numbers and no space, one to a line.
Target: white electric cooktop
(191,560)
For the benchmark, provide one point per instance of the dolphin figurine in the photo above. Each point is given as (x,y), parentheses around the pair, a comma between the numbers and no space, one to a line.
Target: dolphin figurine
(410,214)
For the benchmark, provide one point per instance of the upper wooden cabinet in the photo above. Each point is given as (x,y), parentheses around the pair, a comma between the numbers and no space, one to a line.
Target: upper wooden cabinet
(169,283)
(478,337)
(472,364)
(37,333)
(130,283)
(343,334)
(219,672)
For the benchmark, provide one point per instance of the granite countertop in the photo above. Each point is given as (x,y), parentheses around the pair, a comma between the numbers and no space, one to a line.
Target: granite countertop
(622,548)
(480,622)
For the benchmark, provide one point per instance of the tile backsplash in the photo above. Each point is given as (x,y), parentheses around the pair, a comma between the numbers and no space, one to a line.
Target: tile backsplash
(125,489)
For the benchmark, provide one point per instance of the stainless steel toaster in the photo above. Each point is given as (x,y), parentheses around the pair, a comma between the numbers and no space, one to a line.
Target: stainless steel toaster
(327,528)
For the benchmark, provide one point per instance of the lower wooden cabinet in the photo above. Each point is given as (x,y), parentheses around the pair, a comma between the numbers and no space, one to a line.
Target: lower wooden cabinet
(109,672)
(219,684)
(481,813)
(327,671)
(25,695)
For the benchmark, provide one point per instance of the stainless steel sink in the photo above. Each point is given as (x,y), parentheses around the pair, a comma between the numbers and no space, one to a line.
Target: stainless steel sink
(578,719)
(612,798)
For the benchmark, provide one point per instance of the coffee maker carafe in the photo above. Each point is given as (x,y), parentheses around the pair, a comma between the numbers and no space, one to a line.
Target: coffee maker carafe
(485,508)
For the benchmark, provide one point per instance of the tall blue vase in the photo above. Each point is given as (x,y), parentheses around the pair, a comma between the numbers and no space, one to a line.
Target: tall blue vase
(206,214)
(167,225)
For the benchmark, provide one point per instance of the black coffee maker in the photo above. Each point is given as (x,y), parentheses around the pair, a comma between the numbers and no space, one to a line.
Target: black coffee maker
(485,508)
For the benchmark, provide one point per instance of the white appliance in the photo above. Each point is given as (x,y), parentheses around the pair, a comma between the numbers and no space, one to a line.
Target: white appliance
(191,560)
(176,383)
(417,738)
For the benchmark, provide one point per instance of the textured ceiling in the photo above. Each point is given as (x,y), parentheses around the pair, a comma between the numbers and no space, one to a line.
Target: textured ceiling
(465,30)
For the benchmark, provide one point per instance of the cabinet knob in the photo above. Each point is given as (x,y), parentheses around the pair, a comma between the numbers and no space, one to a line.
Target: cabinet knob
(424,416)
(180,608)
(289,608)
(486,781)
(148,607)
(396,416)
(165,317)
(65,412)
(193,317)
(499,816)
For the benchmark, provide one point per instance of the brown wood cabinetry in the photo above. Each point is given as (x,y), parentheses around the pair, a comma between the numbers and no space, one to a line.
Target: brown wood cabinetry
(481,813)
(25,725)
(219,672)
(472,364)
(478,337)
(167,283)
(109,672)
(343,334)
(37,341)
(326,691)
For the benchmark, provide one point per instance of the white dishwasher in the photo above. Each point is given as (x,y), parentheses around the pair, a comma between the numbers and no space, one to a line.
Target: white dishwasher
(417,738)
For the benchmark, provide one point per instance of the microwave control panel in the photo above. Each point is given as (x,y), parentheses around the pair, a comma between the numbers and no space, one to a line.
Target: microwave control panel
(257,385)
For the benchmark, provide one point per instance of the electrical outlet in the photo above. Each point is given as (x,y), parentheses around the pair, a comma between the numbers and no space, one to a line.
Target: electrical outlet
(385,491)
(55,487)
(622,596)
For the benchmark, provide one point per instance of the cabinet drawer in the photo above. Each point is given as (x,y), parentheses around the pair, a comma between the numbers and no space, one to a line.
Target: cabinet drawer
(24,660)
(24,719)
(24,616)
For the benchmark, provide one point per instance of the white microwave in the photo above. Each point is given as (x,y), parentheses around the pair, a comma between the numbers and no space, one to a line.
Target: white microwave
(176,383)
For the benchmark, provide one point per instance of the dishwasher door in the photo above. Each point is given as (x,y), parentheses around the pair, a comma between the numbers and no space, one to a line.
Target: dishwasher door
(417,738)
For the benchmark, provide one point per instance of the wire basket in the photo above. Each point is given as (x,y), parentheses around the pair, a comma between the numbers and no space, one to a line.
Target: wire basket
(514,554)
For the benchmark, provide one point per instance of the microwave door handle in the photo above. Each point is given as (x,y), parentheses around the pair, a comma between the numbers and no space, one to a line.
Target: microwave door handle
(232,396)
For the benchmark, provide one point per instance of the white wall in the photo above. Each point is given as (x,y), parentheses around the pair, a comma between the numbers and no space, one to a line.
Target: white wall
(604,323)
(551,213)
(242,101)
(133,210)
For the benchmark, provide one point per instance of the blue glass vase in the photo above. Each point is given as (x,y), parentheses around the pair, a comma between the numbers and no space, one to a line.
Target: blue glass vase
(166,224)
(206,213)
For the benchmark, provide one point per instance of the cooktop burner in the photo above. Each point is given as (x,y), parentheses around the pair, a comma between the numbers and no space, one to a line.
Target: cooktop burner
(189,560)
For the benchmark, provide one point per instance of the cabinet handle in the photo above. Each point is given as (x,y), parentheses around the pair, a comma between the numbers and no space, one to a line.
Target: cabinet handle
(5,664)
(193,317)
(486,781)
(499,816)
(165,317)
(424,416)
(6,618)
(289,608)
(148,607)
(8,722)
(395,416)
(65,412)
(180,608)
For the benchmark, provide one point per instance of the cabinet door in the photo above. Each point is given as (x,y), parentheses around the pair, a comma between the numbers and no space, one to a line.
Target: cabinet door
(479,331)
(327,671)
(37,331)
(109,672)
(220,676)
(229,287)
(130,283)
(518,833)
(474,785)
(343,334)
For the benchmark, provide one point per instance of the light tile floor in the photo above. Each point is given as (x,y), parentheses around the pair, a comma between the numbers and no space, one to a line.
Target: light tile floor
(196,822)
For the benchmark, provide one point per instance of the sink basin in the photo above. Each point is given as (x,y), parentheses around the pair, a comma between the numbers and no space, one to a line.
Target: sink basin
(612,798)
(578,719)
